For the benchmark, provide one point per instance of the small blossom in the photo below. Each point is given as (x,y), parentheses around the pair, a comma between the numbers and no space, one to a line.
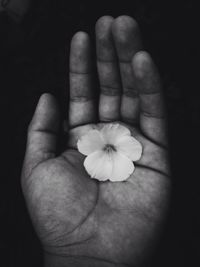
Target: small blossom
(110,152)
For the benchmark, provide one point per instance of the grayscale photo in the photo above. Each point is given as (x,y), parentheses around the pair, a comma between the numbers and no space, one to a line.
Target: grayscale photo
(100,123)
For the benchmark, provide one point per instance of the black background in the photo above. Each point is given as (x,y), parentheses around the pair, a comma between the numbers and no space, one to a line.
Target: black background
(34,59)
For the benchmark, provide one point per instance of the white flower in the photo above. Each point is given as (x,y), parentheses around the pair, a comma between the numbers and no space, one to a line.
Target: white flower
(110,152)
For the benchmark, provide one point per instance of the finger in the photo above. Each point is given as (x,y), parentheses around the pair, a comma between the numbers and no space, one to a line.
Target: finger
(108,71)
(152,111)
(42,132)
(81,103)
(127,40)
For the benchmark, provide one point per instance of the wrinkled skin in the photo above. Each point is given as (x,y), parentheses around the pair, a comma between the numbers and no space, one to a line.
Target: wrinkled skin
(81,218)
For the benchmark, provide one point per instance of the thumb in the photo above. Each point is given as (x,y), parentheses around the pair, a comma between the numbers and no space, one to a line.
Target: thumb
(42,133)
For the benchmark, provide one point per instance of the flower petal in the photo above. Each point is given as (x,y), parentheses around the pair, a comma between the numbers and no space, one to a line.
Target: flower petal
(90,142)
(112,132)
(122,168)
(99,165)
(130,147)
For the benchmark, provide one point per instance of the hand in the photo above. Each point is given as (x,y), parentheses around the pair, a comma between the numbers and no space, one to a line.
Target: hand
(79,220)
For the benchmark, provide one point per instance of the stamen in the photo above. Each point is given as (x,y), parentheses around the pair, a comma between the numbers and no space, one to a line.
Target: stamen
(109,148)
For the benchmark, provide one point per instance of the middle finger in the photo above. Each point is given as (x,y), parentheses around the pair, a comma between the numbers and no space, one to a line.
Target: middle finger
(127,41)
(108,71)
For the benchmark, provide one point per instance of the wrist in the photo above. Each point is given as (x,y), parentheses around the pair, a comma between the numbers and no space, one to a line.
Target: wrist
(77,261)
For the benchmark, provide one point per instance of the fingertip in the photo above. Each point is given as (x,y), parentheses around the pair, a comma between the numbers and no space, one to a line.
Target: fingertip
(79,39)
(127,38)
(80,53)
(124,21)
(123,25)
(47,97)
(103,23)
(146,72)
(46,113)
(141,63)
(103,30)
(104,42)
(47,101)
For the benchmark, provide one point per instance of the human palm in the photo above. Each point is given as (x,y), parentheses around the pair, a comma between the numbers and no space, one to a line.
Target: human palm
(81,218)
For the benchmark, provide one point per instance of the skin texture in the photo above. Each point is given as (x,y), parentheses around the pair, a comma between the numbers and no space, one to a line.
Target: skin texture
(80,221)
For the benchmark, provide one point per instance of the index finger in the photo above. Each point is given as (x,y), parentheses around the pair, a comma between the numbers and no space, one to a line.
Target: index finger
(81,104)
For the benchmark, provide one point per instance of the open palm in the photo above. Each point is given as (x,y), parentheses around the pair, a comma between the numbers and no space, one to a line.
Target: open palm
(80,218)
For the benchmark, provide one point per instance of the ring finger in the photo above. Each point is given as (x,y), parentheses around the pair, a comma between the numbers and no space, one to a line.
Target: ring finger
(81,101)
(127,41)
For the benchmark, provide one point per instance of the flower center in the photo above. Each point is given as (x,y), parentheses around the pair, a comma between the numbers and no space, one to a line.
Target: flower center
(109,148)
